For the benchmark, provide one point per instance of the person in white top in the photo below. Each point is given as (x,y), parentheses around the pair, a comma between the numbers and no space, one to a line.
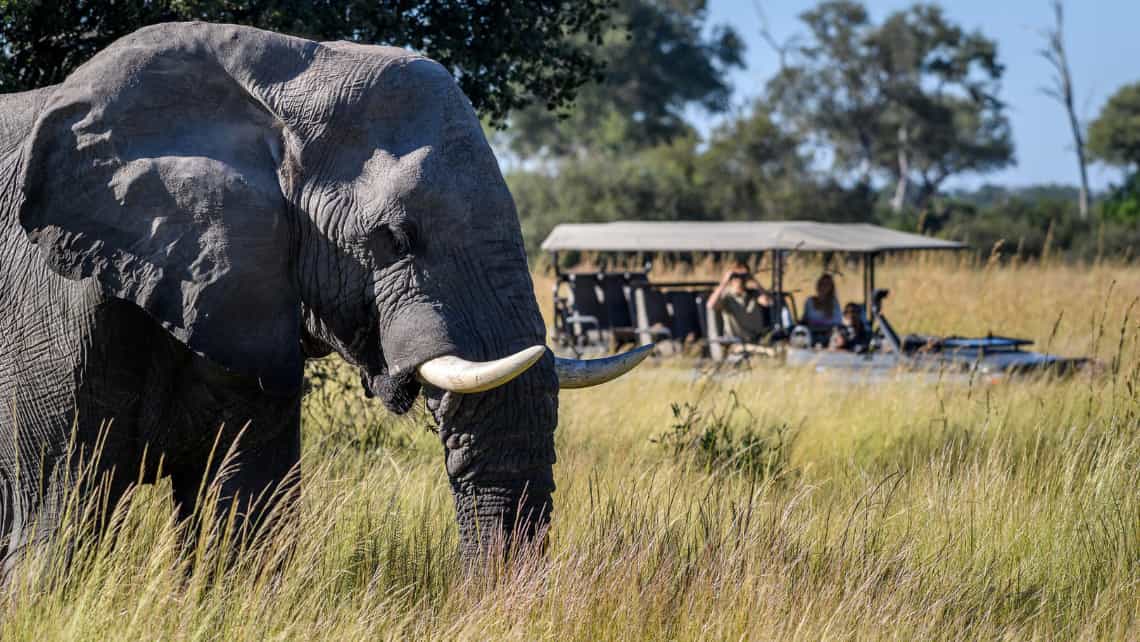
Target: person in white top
(822,310)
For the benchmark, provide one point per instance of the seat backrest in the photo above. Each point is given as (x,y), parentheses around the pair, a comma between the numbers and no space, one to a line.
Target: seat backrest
(702,299)
(584,298)
(791,312)
(656,310)
(617,303)
(686,313)
(711,327)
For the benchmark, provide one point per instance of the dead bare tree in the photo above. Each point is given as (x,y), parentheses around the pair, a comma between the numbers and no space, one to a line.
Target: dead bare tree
(781,48)
(1062,91)
(903,185)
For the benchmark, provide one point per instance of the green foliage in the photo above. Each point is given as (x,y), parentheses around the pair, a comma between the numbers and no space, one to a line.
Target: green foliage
(351,423)
(751,166)
(913,98)
(1114,137)
(754,169)
(659,61)
(657,184)
(1123,204)
(1027,222)
(504,54)
(749,170)
(733,178)
(728,439)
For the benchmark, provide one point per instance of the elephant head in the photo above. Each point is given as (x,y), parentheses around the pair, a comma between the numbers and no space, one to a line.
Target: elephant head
(267,198)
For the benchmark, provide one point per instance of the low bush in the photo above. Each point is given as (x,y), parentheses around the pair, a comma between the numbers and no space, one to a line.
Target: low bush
(729,438)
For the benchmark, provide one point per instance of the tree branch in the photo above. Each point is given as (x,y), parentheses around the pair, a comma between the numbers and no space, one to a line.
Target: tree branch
(1062,92)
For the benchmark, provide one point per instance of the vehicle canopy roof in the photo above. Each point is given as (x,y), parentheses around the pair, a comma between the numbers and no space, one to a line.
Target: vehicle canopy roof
(745,236)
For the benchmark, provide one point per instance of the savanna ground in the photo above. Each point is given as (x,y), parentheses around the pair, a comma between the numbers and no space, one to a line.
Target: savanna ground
(775,505)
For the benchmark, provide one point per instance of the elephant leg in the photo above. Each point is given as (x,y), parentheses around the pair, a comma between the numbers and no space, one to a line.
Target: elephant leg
(11,524)
(37,502)
(254,482)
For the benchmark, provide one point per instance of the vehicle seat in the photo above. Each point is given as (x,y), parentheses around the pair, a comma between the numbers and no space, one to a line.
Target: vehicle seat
(712,327)
(584,300)
(653,321)
(686,315)
(701,300)
(616,297)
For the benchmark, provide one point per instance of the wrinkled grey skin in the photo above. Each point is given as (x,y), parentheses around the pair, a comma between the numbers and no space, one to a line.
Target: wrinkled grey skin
(201,207)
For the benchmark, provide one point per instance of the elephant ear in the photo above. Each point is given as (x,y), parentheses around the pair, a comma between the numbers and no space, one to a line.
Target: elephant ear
(156,171)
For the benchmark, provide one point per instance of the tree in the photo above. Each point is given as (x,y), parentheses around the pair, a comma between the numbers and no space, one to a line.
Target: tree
(505,54)
(1061,90)
(1123,202)
(659,62)
(1030,221)
(659,183)
(752,168)
(1114,137)
(914,98)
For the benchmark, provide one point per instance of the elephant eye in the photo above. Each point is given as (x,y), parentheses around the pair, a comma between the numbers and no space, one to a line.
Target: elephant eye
(394,242)
(407,236)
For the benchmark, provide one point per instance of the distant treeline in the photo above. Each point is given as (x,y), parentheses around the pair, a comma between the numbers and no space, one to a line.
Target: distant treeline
(865,120)
(679,183)
(1028,222)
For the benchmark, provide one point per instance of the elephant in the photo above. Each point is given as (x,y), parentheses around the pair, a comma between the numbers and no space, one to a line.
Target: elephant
(200,208)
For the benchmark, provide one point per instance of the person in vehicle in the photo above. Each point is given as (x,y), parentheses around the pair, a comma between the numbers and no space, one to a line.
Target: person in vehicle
(852,334)
(746,310)
(822,311)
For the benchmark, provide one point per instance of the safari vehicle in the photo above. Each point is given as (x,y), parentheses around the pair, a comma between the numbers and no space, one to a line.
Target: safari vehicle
(991,357)
(601,311)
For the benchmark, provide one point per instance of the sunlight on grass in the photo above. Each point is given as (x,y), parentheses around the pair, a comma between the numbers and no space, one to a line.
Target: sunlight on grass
(906,510)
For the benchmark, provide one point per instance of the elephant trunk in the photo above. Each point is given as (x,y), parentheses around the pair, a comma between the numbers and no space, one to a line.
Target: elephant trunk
(499,457)
(499,516)
(498,443)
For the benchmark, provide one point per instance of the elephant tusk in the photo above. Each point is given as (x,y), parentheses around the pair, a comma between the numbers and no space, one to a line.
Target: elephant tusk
(455,374)
(577,373)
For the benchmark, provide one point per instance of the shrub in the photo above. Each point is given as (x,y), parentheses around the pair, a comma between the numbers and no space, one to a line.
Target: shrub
(731,438)
(339,417)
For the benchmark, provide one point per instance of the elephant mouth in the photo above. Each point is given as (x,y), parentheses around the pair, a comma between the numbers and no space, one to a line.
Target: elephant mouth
(398,388)
(453,374)
(397,393)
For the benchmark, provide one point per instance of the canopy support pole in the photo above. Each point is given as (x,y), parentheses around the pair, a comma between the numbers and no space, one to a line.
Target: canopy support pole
(866,291)
(869,282)
(560,329)
(778,286)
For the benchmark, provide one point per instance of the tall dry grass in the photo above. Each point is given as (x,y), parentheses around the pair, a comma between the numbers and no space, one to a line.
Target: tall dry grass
(911,510)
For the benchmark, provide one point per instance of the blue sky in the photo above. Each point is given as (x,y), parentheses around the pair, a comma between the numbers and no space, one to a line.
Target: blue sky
(1104,53)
